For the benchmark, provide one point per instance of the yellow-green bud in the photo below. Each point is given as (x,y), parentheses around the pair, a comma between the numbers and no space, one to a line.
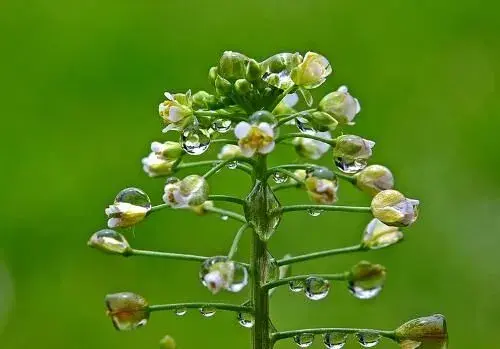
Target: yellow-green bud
(312,72)
(323,121)
(193,190)
(394,209)
(169,149)
(229,151)
(366,275)
(253,71)
(127,310)
(203,100)
(232,65)
(109,241)
(222,86)
(340,105)
(352,147)
(168,342)
(311,148)
(278,68)
(212,75)
(374,178)
(242,86)
(428,332)
(156,165)
(379,235)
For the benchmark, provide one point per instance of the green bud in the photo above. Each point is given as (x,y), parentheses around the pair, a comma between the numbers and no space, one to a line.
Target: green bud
(212,75)
(428,332)
(262,116)
(394,209)
(222,86)
(340,105)
(379,235)
(167,342)
(374,178)
(203,100)
(194,190)
(127,310)
(229,151)
(367,276)
(253,70)
(273,79)
(323,121)
(232,65)
(352,147)
(242,87)
(109,241)
(321,172)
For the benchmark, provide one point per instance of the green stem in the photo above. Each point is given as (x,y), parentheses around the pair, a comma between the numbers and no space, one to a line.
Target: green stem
(277,101)
(212,163)
(223,163)
(236,241)
(320,254)
(289,334)
(227,198)
(306,135)
(285,281)
(218,306)
(285,186)
(168,255)
(341,175)
(293,116)
(223,140)
(221,115)
(290,174)
(223,212)
(326,208)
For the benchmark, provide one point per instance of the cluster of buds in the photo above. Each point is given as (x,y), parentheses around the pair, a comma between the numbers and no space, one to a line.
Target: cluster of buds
(253,111)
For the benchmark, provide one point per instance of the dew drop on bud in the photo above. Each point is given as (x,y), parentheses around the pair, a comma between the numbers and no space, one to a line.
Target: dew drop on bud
(224,217)
(350,166)
(360,291)
(314,212)
(180,311)
(128,311)
(368,339)
(246,320)
(232,165)
(280,177)
(304,125)
(133,196)
(207,311)
(296,286)
(335,340)
(109,241)
(195,141)
(316,288)
(221,125)
(304,340)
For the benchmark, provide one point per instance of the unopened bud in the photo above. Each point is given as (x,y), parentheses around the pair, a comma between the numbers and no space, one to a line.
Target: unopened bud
(310,148)
(229,151)
(262,116)
(323,121)
(340,105)
(352,147)
(394,209)
(127,310)
(203,100)
(156,165)
(366,279)
(168,342)
(374,178)
(169,149)
(232,65)
(109,241)
(321,190)
(193,190)
(253,70)
(425,332)
(242,87)
(379,235)
(312,72)
(222,85)
(212,75)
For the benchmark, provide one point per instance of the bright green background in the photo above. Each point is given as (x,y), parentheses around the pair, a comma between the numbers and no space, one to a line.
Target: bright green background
(81,82)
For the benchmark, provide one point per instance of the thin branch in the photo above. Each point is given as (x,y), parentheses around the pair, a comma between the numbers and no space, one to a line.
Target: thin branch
(285,186)
(236,241)
(289,334)
(221,115)
(326,208)
(341,175)
(290,174)
(284,281)
(277,101)
(212,163)
(168,255)
(320,254)
(218,306)
(224,140)
(293,116)
(306,135)
(221,164)
(227,198)
(223,212)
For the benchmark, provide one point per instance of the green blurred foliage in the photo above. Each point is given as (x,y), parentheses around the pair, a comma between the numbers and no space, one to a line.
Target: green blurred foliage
(81,82)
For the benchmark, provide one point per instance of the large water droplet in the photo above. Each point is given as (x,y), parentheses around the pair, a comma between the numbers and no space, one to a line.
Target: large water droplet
(360,291)
(127,310)
(246,320)
(304,340)
(110,241)
(240,278)
(314,212)
(180,311)
(134,196)
(335,340)
(195,141)
(235,282)
(350,165)
(232,165)
(207,311)
(368,339)
(280,177)
(221,125)
(316,288)
(296,286)
(272,270)
(304,125)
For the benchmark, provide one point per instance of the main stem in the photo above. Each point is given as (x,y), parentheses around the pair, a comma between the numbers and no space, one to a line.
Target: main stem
(258,264)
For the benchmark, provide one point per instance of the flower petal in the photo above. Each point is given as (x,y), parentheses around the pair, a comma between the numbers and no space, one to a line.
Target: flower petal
(242,129)
(247,151)
(266,128)
(267,148)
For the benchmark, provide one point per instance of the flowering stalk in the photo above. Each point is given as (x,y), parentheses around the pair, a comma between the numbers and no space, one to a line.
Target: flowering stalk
(256,102)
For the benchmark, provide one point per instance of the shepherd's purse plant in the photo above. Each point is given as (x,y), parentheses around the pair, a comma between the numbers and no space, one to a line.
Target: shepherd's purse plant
(252,111)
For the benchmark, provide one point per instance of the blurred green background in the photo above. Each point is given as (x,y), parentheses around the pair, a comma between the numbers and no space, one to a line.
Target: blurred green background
(81,81)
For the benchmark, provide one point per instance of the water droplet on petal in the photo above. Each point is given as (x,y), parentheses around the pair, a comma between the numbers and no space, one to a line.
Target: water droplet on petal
(109,241)
(221,125)
(234,276)
(335,340)
(314,212)
(232,165)
(350,165)
(133,196)
(195,141)
(280,177)
(207,311)
(296,286)
(361,292)
(246,320)
(180,311)
(368,339)
(304,340)
(224,217)
(316,288)
(304,125)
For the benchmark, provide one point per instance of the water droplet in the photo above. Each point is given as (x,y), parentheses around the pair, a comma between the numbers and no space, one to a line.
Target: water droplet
(335,340)
(207,311)
(296,286)
(316,288)
(304,340)
(221,125)
(110,241)
(362,292)
(224,217)
(246,320)
(304,125)
(314,212)
(368,339)
(240,278)
(127,310)
(234,275)
(134,196)
(232,165)
(180,311)
(350,165)
(172,180)
(195,141)
(272,269)
(280,177)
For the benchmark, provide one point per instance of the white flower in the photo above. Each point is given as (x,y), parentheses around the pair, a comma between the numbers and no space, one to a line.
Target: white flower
(123,214)
(156,165)
(175,110)
(341,105)
(311,148)
(215,281)
(254,138)
(394,209)
(229,151)
(312,72)
(291,100)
